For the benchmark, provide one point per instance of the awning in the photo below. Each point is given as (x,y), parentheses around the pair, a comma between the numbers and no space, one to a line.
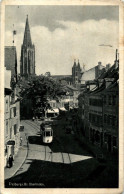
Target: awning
(50,111)
(62,109)
(56,110)
(11,142)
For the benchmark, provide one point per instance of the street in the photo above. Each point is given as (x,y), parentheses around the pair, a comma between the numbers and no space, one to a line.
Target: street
(62,164)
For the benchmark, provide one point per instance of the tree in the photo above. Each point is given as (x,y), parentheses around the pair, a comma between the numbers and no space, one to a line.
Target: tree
(40,89)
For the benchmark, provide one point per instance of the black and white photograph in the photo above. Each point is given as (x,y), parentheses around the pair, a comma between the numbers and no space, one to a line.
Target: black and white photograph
(62,96)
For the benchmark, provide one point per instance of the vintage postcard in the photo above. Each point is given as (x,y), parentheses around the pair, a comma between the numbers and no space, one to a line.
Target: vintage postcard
(62,96)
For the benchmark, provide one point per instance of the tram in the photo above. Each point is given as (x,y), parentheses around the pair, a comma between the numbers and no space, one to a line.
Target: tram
(46,133)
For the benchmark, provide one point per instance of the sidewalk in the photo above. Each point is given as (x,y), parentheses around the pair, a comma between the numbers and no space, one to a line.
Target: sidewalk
(19,158)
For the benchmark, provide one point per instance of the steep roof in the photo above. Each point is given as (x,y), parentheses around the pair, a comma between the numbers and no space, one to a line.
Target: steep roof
(27,36)
(111,73)
(11,59)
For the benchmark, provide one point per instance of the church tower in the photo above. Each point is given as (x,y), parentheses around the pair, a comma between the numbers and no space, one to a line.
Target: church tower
(76,73)
(27,60)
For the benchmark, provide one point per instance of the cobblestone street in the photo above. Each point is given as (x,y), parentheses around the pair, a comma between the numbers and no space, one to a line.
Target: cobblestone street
(58,165)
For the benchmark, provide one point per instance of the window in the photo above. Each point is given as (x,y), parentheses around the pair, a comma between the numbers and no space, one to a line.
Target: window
(95,102)
(110,100)
(54,105)
(98,120)
(7,105)
(114,142)
(105,137)
(104,99)
(89,116)
(114,100)
(7,127)
(48,133)
(14,129)
(108,120)
(11,113)
(10,133)
(113,120)
(14,110)
(105,118)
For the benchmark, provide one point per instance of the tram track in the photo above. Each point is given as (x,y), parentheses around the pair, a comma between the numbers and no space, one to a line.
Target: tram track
(64,158)
(32,124)
(49,156)
(62,154)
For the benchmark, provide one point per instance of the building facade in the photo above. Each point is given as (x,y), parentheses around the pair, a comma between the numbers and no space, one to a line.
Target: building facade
(27,60)
(98,110)
(92,73)
(11,107)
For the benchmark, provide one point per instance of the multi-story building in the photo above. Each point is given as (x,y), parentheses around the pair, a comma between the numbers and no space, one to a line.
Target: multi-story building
(96,116)
(27,60)
(92,73)
(98,110)
(63,79)
(74,93)
(66,102)
(15,120)
(110,117)
(12,106)
(7,96)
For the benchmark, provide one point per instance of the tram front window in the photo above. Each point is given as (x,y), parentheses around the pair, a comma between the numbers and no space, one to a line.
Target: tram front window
(47,133)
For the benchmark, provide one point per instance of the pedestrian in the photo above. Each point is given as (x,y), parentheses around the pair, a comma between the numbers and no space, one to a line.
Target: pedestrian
(20,141)
(10,161)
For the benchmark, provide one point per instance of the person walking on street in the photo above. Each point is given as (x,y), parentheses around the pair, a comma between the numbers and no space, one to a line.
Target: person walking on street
(21,141)
(10,161)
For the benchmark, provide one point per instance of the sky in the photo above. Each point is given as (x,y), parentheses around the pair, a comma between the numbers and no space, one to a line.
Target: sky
(64,33)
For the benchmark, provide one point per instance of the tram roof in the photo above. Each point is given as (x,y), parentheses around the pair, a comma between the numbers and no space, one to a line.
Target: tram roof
(47,127)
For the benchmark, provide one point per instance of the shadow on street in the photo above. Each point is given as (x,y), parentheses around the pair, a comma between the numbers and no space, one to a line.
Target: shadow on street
(58,175)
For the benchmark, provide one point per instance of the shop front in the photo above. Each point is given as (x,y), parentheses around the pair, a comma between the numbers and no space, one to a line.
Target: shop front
(9,150)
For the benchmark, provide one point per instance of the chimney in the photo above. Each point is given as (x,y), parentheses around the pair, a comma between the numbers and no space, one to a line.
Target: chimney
(99,65)
(116,54)
(117,59)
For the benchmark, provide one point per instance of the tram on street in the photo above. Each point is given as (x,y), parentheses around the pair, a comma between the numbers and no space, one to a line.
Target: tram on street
(46,133)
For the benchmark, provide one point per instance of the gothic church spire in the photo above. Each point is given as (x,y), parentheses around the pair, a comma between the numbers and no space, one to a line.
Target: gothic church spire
(27,36)
(27,59)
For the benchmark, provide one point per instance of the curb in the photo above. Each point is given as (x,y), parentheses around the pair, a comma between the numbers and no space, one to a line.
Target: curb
(27,148)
